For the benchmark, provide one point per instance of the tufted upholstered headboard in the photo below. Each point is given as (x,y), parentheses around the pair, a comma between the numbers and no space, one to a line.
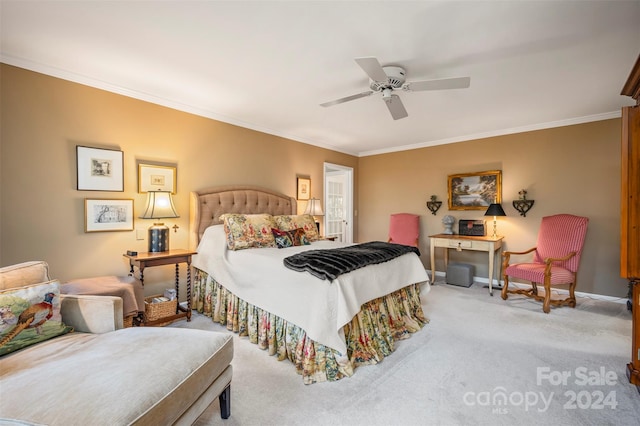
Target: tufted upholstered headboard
(206,206)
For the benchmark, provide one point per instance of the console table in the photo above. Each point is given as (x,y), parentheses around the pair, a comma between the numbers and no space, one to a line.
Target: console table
(463,242)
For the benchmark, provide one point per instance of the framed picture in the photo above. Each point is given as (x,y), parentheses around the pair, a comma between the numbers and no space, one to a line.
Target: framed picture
(475,191)
(304,189)
(99,169)
(156,178)
(102,215)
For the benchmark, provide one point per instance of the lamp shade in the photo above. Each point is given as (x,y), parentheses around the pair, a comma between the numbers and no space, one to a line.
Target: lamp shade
(159,205)
(314,208)
(495,209)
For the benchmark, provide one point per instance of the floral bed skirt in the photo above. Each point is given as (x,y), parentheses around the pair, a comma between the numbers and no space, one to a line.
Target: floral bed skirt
(370,335)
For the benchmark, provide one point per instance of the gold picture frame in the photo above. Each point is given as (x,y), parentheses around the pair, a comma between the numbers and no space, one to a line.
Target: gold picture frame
(156,178)
(474,191)
(303,188)
(106,214)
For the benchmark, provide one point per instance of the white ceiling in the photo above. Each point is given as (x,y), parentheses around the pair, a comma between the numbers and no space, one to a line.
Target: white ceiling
(267,65)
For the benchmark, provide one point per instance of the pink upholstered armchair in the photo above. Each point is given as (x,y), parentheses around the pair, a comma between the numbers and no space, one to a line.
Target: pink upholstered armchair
(404,228)
(555,260)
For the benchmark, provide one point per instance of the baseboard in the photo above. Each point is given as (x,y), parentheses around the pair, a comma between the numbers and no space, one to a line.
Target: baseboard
(485,280)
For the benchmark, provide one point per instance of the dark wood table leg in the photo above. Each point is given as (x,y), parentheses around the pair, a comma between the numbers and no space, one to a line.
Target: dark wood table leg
(178,287)
(188,291)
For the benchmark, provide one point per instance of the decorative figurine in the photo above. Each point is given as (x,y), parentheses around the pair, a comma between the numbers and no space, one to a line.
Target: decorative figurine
(448,222)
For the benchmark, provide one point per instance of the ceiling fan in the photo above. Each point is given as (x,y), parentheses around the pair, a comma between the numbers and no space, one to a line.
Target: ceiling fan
(387,79)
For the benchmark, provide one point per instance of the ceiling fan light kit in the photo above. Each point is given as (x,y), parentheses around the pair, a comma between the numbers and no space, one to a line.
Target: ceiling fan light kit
(389,78)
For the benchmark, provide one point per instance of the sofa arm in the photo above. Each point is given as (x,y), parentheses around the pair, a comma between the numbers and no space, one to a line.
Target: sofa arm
(91,314)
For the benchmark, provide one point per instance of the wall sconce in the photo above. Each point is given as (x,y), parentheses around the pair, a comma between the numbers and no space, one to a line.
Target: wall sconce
(159,206)
(314,208)
(523,205)
(495,210)
(433,205)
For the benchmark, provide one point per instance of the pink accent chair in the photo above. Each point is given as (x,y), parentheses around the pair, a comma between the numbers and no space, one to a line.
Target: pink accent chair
(404,228)
(555,260)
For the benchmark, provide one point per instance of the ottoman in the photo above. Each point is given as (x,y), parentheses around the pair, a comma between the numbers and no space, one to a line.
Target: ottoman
(460,274)
(128,288)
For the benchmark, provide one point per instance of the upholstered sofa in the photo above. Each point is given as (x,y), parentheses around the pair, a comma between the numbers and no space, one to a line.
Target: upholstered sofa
(101,373)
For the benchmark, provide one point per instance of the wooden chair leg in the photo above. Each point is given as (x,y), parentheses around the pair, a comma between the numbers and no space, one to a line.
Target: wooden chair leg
(572,294)
(534,288)
(505,287)
(547,297)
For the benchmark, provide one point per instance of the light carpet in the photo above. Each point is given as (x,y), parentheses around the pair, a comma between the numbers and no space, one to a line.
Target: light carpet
(480,361)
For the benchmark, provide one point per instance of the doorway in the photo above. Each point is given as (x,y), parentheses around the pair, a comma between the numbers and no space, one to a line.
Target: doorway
(338,201)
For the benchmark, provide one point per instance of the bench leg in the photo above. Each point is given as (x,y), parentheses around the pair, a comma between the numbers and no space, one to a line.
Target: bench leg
(225,402)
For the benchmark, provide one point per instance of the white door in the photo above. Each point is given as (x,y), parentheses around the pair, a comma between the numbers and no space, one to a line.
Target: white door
(338,201)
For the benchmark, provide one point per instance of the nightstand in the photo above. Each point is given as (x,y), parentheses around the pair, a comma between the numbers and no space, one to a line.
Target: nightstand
(178,256)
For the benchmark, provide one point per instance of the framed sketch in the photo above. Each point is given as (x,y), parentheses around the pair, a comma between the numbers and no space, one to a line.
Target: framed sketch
(304,189)
(475,191)
(99,169)
(102,215)
(156,178)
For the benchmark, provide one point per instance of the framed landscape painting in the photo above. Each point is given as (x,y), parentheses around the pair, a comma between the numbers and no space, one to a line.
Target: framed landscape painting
(474,191)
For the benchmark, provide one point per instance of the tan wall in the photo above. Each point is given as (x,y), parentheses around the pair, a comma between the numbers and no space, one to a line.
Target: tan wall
(573,169)
(42,213)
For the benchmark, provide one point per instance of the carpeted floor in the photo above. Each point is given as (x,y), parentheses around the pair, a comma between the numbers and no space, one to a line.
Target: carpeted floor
(480,361)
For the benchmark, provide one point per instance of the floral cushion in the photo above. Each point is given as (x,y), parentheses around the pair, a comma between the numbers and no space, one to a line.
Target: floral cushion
(248,230)
(304,221)
(29,315)
(292,238)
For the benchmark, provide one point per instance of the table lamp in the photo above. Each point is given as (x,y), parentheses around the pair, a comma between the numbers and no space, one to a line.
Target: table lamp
(495,210)
(159,206)
(314,208)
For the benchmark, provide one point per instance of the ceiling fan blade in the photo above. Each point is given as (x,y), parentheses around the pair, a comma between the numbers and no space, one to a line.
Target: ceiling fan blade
(373,69)
(394,104)
(441,84)
(347,99)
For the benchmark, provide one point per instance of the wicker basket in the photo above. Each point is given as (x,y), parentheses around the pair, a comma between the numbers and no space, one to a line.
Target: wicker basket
(128,321)
(156,311)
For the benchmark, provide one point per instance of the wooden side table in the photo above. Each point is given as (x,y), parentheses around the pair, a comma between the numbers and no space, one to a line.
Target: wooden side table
(463,242)
(178,256)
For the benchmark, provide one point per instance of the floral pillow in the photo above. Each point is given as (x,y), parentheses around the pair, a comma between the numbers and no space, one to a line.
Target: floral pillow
(286,239)
(248,230)
(29,315)
(304,221)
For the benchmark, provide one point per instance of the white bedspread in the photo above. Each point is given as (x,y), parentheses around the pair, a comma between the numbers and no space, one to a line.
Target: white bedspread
(320,307)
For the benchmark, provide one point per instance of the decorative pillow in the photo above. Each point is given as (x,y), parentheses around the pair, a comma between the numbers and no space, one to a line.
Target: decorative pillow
(304,221)
(29,315)
(286,239)
(248,230)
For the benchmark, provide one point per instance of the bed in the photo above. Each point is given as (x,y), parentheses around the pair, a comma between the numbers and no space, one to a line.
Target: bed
(325,328)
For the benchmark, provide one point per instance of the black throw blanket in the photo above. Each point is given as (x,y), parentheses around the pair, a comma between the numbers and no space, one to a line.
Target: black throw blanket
(330,263)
